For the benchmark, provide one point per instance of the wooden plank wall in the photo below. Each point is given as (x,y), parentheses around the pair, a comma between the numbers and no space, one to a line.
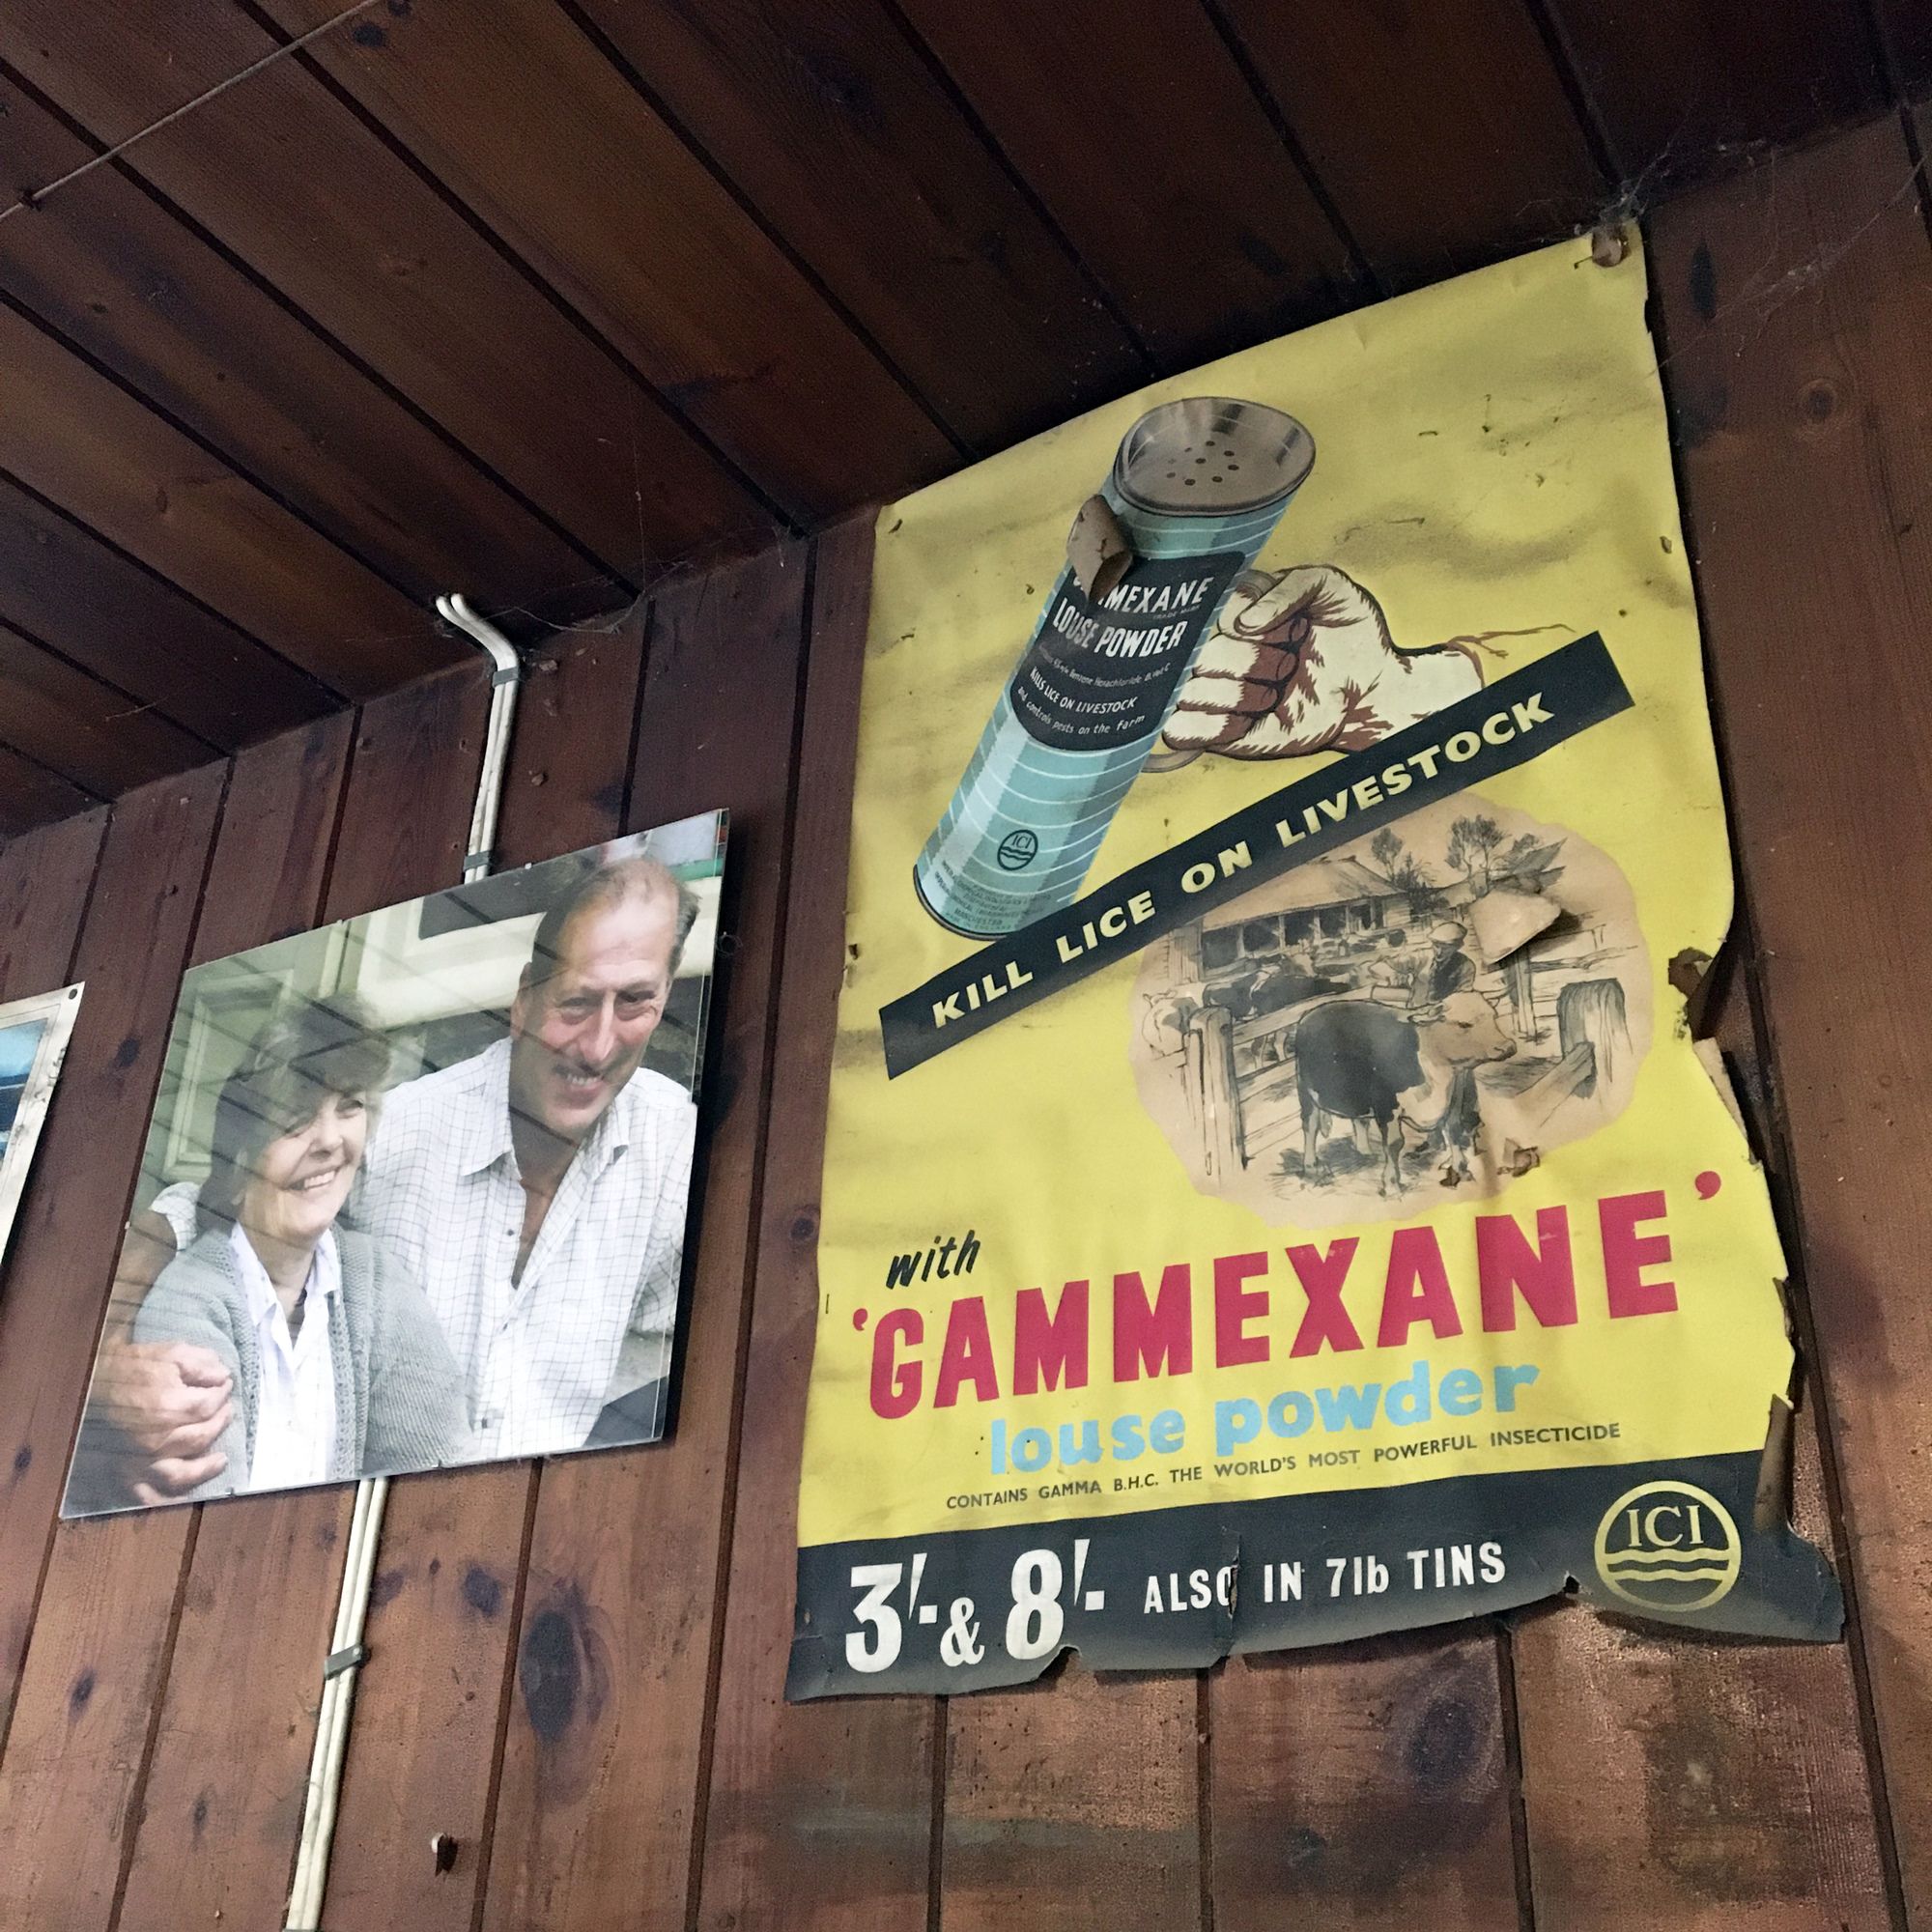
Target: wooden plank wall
(576,1668)
(315,309)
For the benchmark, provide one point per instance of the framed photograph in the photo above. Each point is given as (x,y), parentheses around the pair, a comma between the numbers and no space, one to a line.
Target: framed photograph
(34,1035)
(414,1190)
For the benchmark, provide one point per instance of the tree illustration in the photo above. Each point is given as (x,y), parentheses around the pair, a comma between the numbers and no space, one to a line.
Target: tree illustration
(1471,842)
(1405,872)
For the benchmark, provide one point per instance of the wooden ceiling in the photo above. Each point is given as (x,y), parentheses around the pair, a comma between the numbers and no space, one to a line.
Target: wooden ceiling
(306,314)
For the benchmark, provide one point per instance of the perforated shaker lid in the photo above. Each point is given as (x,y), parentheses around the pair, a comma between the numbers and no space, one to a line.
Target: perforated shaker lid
(1212,456)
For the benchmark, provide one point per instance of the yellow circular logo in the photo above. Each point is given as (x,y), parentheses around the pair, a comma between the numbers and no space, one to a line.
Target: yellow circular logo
(1669,1547)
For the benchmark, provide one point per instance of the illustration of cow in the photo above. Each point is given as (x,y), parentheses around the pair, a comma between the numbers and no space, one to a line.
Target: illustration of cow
(1409,1075)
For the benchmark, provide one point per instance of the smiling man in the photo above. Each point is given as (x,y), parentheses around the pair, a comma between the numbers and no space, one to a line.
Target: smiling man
(537,1190)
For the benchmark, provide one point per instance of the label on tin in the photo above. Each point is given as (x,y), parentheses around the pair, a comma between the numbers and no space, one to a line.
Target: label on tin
(1101,673)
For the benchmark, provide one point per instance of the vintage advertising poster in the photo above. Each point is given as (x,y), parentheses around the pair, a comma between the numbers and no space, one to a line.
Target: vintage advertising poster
(1272,1195)
(415,1187)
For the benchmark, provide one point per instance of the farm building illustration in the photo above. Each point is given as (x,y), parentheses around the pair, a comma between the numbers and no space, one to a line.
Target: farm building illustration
(1423,1012)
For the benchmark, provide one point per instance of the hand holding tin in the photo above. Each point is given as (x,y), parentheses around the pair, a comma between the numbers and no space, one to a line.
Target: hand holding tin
(1301,661)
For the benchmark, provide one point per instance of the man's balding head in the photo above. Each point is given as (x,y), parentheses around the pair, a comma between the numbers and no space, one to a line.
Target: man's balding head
(611,884)
(601,969)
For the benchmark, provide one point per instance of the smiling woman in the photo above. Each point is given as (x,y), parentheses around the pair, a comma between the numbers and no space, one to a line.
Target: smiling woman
(333,1360)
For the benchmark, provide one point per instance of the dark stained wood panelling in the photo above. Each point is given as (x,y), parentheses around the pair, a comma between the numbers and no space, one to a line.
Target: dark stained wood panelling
(1729,1784)
(45,880)
(104,1637)
(140,914)
(1680,90)
(1138,131)
(45,877)
(97,737)
(1363,1787)
(1727,1787)
(577,1670)
(272,858)
(1073,1803)
(1439,127)
(604,1754)
(569,779)
(301,189)
(74,436)
(221,1810)
(1804,405)
(1906,27)
(697,296)
(536,298)
(824,114)
(32,795)
(80,1737)
(108,615)
(147,297)
(450,1568)
(817,1815)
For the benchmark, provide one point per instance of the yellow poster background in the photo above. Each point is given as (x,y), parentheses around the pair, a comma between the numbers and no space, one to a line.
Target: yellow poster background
(1492,455)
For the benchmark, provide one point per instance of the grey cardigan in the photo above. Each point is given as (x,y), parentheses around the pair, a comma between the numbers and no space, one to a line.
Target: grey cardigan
(399,1396)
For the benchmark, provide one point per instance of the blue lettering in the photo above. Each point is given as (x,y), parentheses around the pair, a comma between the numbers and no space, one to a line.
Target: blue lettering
(1348,1406)
(1291,1403)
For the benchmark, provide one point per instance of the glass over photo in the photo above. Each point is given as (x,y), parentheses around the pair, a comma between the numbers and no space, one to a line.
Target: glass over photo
(415,1187)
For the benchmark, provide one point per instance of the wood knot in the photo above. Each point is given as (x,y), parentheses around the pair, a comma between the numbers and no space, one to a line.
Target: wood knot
(481,1591)
(548,1674)
(1445,1744)
(1818,401)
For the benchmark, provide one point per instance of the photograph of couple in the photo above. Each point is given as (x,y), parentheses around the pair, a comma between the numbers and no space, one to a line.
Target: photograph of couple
(415,1187)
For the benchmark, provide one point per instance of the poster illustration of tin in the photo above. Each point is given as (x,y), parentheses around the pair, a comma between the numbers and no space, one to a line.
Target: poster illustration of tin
(1271,1193)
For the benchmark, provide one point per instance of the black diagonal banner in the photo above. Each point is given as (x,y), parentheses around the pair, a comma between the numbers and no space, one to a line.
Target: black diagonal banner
(1506,725)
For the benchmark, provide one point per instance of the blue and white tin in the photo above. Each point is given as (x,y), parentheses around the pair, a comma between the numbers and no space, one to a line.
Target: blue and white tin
(1198,486)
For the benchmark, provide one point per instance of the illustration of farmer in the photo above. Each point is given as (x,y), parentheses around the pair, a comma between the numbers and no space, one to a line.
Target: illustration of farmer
(1450,969)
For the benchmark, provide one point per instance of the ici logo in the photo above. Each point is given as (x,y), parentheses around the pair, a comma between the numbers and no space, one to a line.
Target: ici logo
(1669,1546)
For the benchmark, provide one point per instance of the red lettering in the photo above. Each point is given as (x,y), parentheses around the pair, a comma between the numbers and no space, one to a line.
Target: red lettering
(1545,1275)
(1416,1290)
(968,1355)
(1234,1307)
(1322,1277)
(1050,1347)
(1627,1254)
(896,1384)
(1156,1340)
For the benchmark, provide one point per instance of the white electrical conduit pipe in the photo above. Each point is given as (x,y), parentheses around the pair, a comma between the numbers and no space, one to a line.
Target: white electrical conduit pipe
(365,1525)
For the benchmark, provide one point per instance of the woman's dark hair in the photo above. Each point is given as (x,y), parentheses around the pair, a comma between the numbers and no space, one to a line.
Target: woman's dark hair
(308,1049)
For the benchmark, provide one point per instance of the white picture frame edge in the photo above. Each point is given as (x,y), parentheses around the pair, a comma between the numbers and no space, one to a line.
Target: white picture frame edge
(57,1009)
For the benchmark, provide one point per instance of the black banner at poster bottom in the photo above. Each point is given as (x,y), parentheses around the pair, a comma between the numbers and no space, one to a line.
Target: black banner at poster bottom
(1179,1588)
